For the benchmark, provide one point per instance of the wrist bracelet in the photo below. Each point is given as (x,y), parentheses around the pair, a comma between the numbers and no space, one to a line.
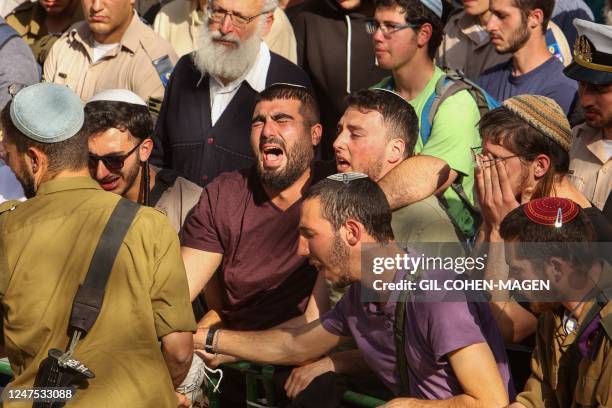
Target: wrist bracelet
(216,341)
(208,344)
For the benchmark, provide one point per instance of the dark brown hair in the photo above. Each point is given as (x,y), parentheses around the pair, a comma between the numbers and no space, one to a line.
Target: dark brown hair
(360,199)
(398,115)
(503,127)
(416,12)
(70,154)
(571,241)
(547,6)
(309,109)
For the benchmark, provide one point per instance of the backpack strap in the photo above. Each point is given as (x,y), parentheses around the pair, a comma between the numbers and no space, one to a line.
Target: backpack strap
(400,342)
(448,85)
(553,45)
(6,33)
(88,299)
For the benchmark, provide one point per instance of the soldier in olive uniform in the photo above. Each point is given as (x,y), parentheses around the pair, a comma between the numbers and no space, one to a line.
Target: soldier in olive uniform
(571,365)
(46,246)
(42,22)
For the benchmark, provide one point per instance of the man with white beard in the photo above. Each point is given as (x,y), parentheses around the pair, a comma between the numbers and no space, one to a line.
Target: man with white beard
(205,118)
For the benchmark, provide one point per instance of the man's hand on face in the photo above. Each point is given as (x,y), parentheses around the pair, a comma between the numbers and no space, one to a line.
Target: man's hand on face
(301,377)
(494,192)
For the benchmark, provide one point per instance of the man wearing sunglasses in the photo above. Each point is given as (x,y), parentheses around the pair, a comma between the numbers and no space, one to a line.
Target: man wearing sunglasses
(50,239)
(406,35)
(120,126)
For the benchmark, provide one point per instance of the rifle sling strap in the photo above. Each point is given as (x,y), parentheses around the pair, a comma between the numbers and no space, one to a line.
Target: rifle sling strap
(88,299)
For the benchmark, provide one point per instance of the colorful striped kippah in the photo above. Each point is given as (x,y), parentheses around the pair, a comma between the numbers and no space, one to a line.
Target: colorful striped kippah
(551,211)
(545,115)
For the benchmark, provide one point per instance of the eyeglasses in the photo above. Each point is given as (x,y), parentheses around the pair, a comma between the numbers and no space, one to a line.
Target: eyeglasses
(387,28)
(112,163)
(480,161)
(217,15)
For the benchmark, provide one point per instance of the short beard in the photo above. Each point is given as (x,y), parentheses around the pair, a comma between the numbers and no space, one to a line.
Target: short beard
(222,62)
(339,258)
(376,169)
(523,183)
(299,158)
(130,177)
(518,40)
(27,183)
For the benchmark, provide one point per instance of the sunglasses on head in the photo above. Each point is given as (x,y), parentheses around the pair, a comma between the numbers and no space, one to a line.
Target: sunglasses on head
(112,163)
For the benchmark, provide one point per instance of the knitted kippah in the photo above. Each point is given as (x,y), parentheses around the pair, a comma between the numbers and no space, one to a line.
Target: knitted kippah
(545,115)
(551,211)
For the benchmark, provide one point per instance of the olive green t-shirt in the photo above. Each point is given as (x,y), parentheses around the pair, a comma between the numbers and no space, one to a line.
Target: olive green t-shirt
(46,245)
(454,132)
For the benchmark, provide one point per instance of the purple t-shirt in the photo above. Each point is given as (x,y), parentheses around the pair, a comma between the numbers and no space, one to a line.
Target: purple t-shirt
(546,80)
(263,280)
(433,329)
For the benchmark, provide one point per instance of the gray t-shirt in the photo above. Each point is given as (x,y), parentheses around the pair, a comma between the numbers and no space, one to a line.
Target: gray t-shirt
(17,66)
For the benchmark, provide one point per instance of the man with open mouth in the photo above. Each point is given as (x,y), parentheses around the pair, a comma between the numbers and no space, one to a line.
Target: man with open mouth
(240,244)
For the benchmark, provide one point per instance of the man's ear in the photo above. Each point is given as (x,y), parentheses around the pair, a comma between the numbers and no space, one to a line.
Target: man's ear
(396,149)
(145,150)
(353,232)
(268,24)
(554,268)
(541,166)
(535,18)
(424,34)
(316,132)
(36,160)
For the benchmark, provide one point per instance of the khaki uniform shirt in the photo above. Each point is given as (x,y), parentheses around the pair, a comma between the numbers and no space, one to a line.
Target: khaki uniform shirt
(179,22)
(560,381)
(466,46)
(591,166)
(46,245)
(128,66)
(29,21)
(177,202)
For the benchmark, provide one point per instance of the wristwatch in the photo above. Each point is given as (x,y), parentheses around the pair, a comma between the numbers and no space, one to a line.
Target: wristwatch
(208,344)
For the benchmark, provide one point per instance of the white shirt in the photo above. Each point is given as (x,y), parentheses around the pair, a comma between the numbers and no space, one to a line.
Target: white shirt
(10,189)
(608,147)
(221,95)
(100,50)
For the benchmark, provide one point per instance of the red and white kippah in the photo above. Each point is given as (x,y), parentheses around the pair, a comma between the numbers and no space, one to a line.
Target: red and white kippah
(551,211)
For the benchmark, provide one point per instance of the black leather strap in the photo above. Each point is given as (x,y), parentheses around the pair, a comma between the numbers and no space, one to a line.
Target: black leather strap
(210,337)
(88,299)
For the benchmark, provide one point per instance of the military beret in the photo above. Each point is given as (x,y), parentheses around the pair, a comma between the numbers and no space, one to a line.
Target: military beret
(47,113)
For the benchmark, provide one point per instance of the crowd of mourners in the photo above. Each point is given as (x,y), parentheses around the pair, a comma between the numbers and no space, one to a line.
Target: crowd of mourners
(189,185)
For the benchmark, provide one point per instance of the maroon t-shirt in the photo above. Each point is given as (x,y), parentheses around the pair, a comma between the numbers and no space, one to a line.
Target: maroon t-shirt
(264,282)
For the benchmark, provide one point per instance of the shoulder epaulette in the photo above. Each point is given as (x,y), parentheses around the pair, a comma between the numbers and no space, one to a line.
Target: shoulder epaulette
(9,206)
(154,105)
